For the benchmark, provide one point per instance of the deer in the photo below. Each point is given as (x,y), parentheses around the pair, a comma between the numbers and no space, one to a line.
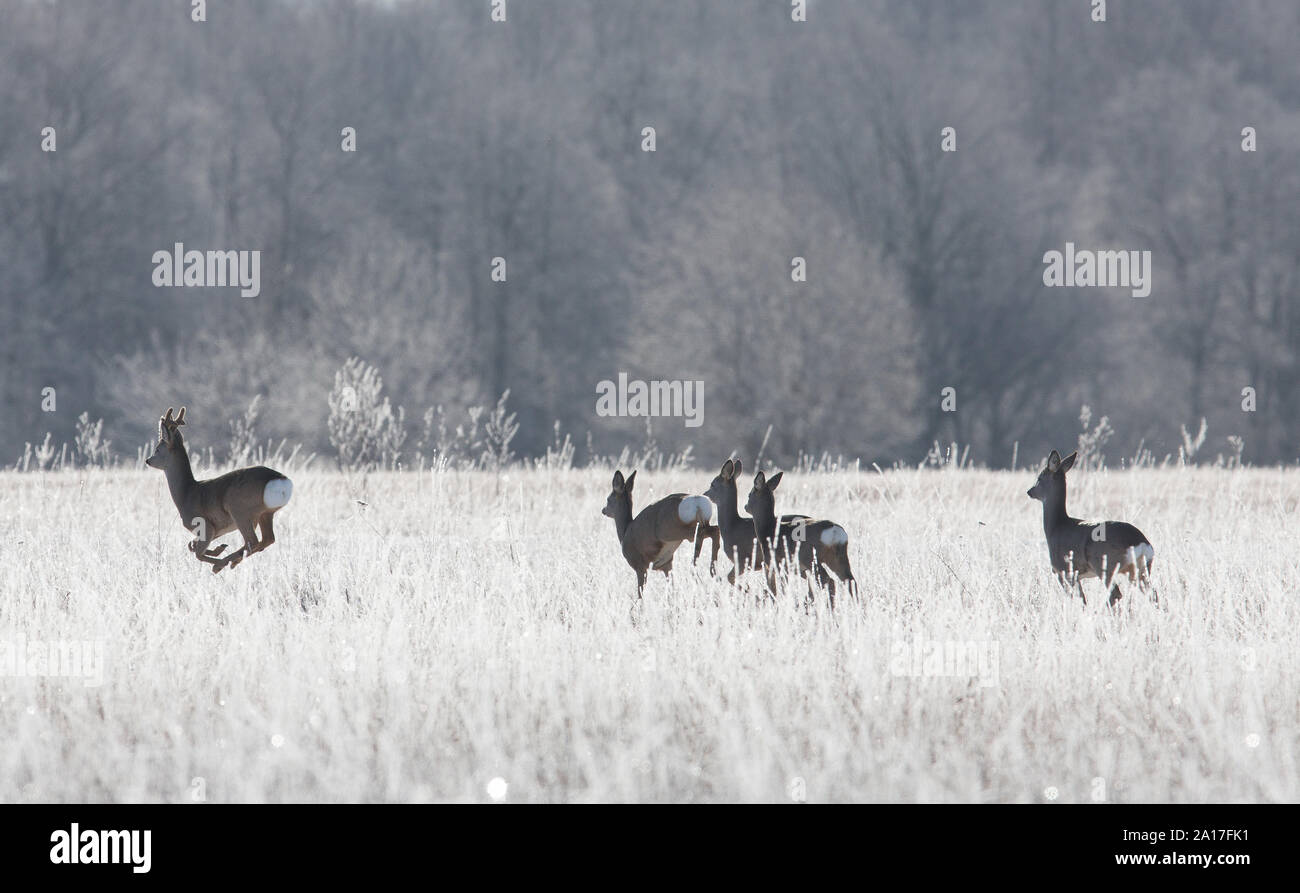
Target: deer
(244,499)
(818,547)
(1079,549)
(739,536)
(650,540)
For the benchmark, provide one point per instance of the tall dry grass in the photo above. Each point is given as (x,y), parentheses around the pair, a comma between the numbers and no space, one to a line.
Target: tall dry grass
(412,637)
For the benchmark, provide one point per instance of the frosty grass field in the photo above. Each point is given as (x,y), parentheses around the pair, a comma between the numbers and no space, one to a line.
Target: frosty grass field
(466,631)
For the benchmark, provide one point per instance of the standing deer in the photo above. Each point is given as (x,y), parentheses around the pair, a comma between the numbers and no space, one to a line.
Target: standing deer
(820,547)
(739,537)
(650,539)
(1081,549)
(242,499)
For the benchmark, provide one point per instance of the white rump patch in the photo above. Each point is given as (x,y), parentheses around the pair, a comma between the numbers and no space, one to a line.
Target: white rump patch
(835,535)
(694,509)
(1140,552)
(277,493)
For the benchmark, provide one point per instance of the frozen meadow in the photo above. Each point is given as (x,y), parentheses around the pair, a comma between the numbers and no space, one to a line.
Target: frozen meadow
(471,636)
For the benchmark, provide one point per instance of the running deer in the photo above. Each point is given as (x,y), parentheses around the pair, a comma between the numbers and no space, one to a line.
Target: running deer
(243,499)
(650,539)
(1081,549)
(820,547)
(739,537)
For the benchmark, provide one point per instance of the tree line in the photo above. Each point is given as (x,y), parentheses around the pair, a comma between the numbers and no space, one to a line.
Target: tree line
(498,224)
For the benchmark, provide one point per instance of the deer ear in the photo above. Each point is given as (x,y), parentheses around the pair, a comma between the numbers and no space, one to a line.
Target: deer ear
(1068,462)
(618,482)
(180,417)
(1053,461)
(738,467)
(760,481)
(728,470)
(630,479)
(774,481)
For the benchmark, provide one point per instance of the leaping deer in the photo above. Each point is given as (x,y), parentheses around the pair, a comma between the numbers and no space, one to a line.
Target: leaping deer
(243,499)
(1079,549)
(651,538)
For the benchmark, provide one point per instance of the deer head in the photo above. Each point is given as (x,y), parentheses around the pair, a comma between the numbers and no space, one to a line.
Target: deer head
(620,495)
(725,482)
(1051,479)
(169,439)
(761,502)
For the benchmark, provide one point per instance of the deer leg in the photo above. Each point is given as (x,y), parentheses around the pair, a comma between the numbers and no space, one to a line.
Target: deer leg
(811,600)
(200,550)
(1115,594)
(220,564)
(211,553)
(838,570)
(248,530)
(703,532)
(699,544)
(807,577)
(268,533)
(202,553)
(1064,584)
(771,579)
(818,574)
(1144,580)
(1072,587)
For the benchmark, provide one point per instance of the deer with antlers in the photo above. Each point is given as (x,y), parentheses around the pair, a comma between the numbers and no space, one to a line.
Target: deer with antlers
(242,500)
